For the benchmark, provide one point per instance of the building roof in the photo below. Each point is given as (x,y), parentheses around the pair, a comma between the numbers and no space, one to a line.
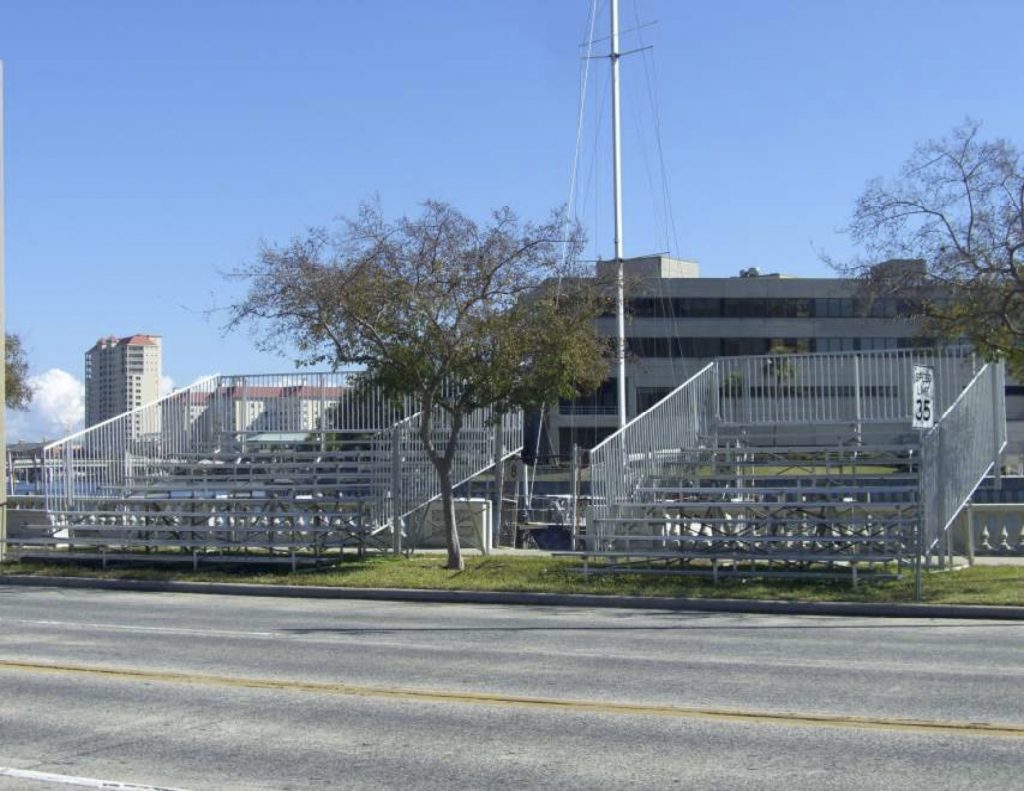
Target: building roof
(137,339)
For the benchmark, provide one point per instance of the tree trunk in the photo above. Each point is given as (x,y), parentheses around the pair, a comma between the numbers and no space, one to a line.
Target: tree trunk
(443,464)
(451,531)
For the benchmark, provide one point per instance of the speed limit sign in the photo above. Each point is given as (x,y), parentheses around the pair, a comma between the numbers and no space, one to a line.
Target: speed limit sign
(923,408)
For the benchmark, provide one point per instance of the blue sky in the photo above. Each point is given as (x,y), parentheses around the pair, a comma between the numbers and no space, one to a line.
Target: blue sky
(151,146)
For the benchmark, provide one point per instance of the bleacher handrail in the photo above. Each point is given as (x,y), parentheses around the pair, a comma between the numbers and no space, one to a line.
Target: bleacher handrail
(960,450)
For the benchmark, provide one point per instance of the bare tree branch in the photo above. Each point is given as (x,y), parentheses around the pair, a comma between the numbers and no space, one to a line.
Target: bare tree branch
(947,236)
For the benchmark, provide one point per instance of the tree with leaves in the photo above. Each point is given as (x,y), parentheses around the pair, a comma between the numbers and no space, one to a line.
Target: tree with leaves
(456,314)
(950,233)
(18,392)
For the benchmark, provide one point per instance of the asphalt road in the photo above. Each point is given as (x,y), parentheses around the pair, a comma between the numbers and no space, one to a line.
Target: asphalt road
(219,692)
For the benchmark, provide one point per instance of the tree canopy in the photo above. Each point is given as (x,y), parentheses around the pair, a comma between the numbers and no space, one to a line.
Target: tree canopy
(18,392)
(947,235)
(459,315)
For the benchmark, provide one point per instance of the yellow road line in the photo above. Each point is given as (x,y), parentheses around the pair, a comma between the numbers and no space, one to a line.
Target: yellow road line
(497,699)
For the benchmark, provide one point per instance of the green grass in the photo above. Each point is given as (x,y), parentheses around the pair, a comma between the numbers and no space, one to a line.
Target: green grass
(994,585)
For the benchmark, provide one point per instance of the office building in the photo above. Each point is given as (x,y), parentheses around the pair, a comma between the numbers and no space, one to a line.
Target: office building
(678,321)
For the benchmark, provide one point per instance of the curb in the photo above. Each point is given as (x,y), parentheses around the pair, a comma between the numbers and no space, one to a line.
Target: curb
(756,606)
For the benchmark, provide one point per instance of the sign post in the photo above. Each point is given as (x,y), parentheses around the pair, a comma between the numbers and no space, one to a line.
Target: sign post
(923,408)
(922,417)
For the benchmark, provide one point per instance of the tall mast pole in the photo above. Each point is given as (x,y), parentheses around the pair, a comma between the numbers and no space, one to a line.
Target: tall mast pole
(620,299)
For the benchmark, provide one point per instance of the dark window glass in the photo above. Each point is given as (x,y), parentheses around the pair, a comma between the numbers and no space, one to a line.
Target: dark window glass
(741,347)
(835,308)
(687,347)
(651,308)
(604,401)
(584,436)
(789,308)
(790,345)
(744,308)
(878,344)
(697,347)
(835,344)
(649,347)
(697,307)
(646,397)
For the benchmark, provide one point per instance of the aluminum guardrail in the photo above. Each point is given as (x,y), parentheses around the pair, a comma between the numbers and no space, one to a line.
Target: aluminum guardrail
(99,460)
(959,451)
(730,398)
(679,421)
(215,415)
(854,387)
(227,418)
(415,482)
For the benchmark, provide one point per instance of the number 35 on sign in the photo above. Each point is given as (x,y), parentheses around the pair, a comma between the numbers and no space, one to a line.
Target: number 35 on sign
(923,410)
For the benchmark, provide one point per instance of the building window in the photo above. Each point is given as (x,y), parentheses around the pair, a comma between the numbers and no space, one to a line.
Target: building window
(675,307)
(789,345)
(835,345)
(742,347)
(605,401)
(836,308)
(646,397)
(744,308)
(878,344)
(584,436)
(697,307)
(789,308)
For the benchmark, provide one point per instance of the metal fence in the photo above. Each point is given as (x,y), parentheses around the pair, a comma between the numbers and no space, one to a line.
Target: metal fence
(959,451)
(683,420)
(99,460)
(271,432)
(216,415)
(795,391)
(862,387)
(414,480)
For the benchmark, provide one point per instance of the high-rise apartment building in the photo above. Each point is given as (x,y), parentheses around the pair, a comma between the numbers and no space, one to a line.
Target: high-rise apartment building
(121,374)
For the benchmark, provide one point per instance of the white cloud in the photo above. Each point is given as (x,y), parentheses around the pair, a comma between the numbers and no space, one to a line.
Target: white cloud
(57,408)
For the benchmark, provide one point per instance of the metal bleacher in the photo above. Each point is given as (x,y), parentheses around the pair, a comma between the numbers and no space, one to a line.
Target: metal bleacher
(801,465)
(255,468)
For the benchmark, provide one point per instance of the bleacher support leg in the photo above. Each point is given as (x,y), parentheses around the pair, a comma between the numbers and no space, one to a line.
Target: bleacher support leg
(969,523)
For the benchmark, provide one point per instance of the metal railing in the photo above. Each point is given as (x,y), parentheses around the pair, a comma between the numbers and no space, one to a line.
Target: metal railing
(959,451)
(216,415)
(853,387)
(98,461)
(687,427)
(415,482)
(222,420)
(678,422)
(246,406)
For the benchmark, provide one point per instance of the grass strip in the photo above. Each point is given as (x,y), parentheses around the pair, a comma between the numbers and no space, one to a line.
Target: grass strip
(984,585)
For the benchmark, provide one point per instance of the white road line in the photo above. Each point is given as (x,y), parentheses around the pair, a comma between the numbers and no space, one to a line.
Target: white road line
(81,782)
